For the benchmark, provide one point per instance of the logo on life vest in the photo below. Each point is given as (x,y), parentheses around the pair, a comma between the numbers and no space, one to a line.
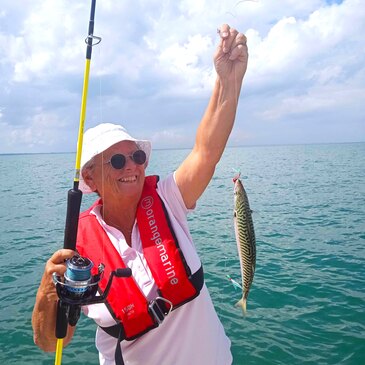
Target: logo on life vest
(155,236)
(147,202)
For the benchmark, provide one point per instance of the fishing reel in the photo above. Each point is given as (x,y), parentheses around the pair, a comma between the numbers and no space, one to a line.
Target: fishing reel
(78,287)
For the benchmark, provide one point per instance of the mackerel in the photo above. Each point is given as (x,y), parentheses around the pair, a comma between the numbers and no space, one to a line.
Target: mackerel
(245,238)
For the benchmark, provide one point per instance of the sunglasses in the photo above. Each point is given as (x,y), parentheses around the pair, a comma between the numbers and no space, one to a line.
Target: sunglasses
(118,161)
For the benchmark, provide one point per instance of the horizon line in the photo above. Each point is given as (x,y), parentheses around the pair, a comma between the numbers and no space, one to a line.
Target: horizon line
(187,148)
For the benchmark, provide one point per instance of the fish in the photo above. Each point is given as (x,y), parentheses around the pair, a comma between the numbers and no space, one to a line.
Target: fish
(245,238)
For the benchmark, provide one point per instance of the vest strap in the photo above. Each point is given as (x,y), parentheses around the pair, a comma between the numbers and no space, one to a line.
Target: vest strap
(157,307)
(118,351)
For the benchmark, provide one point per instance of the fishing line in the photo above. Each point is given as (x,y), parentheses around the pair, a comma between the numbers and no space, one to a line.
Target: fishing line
(233,12)
(105,238)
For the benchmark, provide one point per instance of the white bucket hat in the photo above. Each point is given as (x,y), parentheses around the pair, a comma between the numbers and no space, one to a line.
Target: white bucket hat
(99,139)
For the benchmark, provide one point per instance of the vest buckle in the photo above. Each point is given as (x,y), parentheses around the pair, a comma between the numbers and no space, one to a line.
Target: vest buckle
(160,308)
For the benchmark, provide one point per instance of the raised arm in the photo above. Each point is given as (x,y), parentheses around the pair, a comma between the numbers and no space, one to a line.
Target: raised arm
(230,60)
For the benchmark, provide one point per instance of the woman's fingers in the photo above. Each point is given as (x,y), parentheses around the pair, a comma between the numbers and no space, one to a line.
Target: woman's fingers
(57,261)
(232,42)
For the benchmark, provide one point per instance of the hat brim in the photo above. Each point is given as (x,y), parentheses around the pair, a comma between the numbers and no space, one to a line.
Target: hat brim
(95,144)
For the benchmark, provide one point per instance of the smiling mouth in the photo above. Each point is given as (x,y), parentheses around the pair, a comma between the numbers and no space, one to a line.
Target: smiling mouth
(129,179)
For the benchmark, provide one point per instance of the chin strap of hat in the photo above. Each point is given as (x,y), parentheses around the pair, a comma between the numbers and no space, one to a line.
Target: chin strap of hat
(75,194)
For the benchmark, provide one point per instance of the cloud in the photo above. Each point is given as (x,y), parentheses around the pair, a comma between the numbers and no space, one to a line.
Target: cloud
(171,138)
(184,62)
(153,70)
(40,131)
(308,63)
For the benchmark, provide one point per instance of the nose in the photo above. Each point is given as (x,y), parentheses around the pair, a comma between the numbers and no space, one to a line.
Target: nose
(129,163)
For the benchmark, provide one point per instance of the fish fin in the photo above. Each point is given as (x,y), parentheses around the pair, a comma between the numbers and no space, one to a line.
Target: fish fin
(242,303)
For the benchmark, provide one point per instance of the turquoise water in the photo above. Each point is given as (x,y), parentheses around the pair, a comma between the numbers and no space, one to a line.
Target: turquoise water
(307,303)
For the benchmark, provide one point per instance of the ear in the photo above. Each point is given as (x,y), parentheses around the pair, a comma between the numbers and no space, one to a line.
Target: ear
(88,178)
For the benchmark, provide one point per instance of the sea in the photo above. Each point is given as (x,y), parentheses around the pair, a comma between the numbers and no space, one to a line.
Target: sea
(307,301)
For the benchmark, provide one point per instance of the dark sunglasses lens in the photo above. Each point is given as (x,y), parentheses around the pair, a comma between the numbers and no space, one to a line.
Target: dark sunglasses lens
(139,157)
(118,161)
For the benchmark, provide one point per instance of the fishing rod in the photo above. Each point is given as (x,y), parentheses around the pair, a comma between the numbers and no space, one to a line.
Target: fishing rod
(78,286)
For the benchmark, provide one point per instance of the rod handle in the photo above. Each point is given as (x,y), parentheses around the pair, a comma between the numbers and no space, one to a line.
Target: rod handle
(61,320)
(74,197)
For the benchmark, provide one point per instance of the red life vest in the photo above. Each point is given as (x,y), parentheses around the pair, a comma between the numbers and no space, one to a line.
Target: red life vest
(174,280)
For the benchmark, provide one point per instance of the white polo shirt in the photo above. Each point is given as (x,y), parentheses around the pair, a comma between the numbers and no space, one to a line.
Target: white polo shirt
(189,335)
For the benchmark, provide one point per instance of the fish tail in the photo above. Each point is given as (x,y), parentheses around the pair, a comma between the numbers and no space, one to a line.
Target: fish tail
(242,303)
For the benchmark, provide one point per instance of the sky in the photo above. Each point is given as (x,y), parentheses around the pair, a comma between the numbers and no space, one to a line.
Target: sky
(153,70)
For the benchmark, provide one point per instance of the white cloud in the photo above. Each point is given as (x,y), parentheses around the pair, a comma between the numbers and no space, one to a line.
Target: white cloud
(46,42)
(307,62)
(171,138)
(155,63)
(291,42)
(185,61)
(41,131)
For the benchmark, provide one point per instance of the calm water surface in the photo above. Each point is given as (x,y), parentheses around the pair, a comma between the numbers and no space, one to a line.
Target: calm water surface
(307,303)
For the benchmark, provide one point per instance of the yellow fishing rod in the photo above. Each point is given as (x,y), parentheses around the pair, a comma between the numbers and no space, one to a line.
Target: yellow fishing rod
(74,202)
(78,287)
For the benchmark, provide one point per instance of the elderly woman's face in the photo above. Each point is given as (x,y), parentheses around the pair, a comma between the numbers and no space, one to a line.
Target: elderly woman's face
(108,180)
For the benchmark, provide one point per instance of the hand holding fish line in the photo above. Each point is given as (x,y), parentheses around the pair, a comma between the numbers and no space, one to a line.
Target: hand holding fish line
(231,57)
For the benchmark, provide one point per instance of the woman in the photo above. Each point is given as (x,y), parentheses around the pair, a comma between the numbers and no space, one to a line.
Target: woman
(166,313)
